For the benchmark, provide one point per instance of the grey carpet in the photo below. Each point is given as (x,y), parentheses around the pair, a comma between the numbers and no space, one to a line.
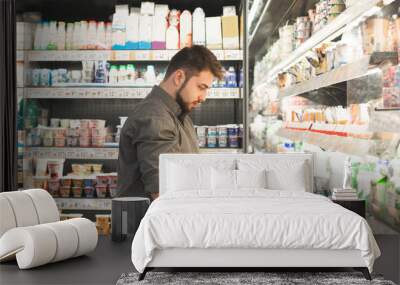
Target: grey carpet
(242,278)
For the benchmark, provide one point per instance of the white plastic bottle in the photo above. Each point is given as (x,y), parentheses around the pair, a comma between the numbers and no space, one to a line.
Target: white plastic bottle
(101,36)
(199,27)
(83,35)
(108,35)
(52,44)
(172,38)
(45,35)
(37,42)
(76,36)
(61,36)
(113,75)
(122,74)
(69,36)
(92,35)
(150,75)
(131,74)
(185,29)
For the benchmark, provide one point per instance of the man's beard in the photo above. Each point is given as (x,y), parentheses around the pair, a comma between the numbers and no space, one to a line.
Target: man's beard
(181,103)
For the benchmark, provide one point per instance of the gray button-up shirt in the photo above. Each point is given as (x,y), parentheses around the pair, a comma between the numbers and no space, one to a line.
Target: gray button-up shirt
(154,127)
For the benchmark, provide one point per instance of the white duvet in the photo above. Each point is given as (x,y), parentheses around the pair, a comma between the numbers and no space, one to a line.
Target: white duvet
(254,218)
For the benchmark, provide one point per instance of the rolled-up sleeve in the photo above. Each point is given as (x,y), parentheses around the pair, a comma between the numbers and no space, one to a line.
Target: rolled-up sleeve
(154,136)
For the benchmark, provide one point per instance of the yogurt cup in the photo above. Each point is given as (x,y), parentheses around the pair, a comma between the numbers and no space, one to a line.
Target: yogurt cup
(64,123)
(84,141)
(113,191)
(101,191)
(89,191)
(65,191)
(77,192)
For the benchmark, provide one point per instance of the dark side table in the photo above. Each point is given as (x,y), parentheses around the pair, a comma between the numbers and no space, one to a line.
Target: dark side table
(126,214)
(356,206)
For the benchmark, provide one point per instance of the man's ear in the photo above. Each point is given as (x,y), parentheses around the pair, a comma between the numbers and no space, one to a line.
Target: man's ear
(179,78)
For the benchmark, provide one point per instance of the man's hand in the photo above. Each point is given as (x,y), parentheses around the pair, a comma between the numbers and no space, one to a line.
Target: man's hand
(154,195)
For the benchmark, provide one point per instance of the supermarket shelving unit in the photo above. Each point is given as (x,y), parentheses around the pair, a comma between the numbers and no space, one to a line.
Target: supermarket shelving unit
(108,102)
(357,82)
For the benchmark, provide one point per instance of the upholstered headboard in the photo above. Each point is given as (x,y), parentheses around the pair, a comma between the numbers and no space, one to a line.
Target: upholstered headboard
(231,161)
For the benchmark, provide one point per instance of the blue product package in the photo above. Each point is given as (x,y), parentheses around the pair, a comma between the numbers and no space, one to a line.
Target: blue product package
(118,47)
(241,78)
(231,77)
(233,141)
(144,45)
(233,131)
(211,141)
(132,45)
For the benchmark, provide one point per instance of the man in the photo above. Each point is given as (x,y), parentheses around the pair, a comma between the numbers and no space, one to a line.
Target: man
(160,123)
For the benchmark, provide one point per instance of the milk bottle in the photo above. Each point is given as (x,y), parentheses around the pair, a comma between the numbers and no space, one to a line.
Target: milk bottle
(76,36)
(185,29)
(113,75)
(83,35)
(61,36)
(100,36)
(199,27)
(92,35)
(69,37)
(108,35)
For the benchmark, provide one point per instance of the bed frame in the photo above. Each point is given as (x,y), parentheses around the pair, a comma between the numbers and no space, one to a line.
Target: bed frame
(242,259)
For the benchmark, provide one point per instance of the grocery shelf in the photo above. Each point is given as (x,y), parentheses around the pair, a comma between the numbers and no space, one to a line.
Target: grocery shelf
(337,27)
(347,145)
(95,153)
(387,120)
(71,153)
(344,73)
(83,203)
(119,55)
(73,91)
(220,150)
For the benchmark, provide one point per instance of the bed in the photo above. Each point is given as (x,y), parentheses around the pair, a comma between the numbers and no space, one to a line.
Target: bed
(242,210)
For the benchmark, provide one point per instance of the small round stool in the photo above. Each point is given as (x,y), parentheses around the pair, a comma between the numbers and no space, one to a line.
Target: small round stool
(126,214)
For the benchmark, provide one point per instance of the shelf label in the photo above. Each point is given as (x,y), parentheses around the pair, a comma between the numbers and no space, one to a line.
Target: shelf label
(219,54)
(142,55)
(233,55)
(171,53)
(160,55)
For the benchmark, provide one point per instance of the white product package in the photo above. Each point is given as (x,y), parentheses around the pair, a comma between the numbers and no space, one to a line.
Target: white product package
(172,38)
(185,29)
(213,33)
(132,26)
(147,8)
(161,10)
(145,31)
(159,31)
(199,27)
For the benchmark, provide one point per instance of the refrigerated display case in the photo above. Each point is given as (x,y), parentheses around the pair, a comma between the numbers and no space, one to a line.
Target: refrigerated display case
(324,79)
(76,96)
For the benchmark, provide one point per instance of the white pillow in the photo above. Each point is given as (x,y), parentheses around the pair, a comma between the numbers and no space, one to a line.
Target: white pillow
(282,173)
(251,178)
(182,177)
(223,179)
(292,177)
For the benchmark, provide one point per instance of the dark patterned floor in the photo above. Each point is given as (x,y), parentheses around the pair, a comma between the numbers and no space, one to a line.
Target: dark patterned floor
(243,278)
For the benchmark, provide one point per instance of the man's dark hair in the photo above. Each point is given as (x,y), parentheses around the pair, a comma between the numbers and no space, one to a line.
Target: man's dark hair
(193,60)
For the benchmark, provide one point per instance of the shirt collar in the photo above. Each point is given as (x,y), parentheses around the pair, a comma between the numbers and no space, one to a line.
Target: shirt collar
(161,94)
